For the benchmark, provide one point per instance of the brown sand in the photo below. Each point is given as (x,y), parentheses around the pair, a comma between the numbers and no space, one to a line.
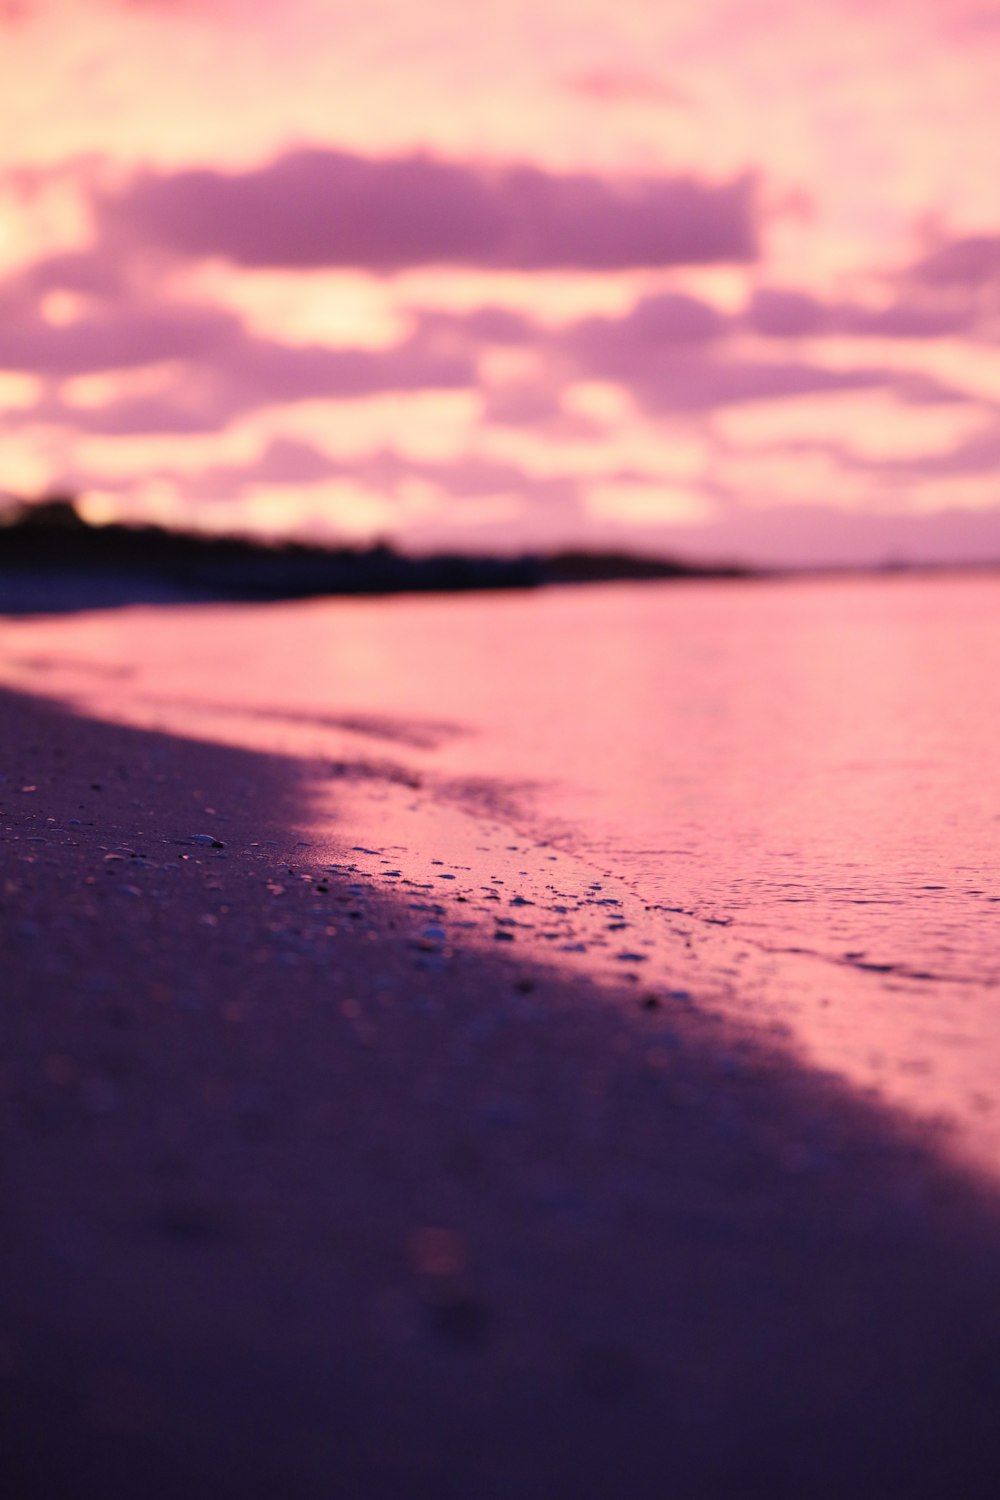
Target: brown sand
(294,1205)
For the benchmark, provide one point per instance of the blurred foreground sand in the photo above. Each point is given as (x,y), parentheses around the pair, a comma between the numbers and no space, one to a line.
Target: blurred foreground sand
(295,1204)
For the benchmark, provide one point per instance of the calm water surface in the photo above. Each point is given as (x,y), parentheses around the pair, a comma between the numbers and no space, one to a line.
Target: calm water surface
(806,772)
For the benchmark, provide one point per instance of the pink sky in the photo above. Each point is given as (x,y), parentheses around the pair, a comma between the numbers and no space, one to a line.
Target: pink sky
(694,275)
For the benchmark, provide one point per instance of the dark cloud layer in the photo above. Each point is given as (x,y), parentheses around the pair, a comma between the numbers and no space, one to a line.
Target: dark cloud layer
(244,374)
(670,351)
(619,346)
(215,368)
(95,272)
(966,263)
(116,340)
(315,208)
(778,313)
(695,385)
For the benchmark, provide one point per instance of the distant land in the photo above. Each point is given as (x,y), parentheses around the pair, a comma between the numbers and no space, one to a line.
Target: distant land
(52,559)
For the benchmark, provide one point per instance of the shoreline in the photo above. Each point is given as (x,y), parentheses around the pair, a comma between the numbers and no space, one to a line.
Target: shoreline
(302,1200)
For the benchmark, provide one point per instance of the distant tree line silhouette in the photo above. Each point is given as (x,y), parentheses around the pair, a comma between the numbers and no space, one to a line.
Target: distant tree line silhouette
(50,535)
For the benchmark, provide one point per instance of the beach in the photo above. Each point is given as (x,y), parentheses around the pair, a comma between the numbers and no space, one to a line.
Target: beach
(309,1191)
(499,776)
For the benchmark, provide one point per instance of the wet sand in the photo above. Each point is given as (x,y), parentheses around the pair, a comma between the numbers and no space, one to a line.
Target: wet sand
(299,1201)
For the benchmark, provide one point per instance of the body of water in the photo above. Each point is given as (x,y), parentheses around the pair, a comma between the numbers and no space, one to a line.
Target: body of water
(795,784)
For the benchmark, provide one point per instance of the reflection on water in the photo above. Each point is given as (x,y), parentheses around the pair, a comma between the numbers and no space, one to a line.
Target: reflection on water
(805,772)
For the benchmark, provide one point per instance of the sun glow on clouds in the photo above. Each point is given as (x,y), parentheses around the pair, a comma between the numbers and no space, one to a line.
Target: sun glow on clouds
(636,446)
(531,273)
(331,308)
(332,510)
(27,467)
(18,392)
(869,424)
(95,392)
(646,504)
(958,492)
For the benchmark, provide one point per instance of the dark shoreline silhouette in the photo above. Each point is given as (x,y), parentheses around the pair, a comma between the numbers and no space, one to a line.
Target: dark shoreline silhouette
(49,542)
(52,560)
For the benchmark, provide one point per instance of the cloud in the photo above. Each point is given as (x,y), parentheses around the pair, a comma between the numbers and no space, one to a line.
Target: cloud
(291,463)
(264,369)
(696,385)
(777,534)
(89,272)
(182,411)
(670,319)
(670,352)
(215,369)
(654,325)
(314,208)
(527,404)
(974,455)
(243,374)
(481,325)
(900,320)
(119,339)
(282,461)
(970,262)
(778,313)
(227,373)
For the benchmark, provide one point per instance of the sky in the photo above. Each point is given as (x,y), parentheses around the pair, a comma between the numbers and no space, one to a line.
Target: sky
(704,277)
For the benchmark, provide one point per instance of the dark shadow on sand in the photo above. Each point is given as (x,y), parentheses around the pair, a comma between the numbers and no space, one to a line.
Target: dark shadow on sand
(291,1210)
